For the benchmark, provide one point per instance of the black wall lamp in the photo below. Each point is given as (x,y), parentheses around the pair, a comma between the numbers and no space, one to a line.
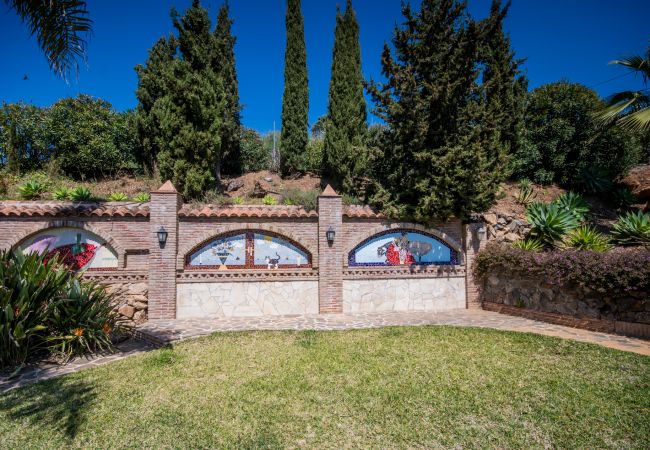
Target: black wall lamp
(329,234)
(162,236)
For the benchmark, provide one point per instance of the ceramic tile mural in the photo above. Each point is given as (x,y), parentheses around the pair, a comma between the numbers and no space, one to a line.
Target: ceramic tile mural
(78,249)
(402,247)
(222,252)
(250,250)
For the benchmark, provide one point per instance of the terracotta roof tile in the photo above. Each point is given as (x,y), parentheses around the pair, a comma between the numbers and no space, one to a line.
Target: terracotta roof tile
(361,212)
(245,211)
(83,209)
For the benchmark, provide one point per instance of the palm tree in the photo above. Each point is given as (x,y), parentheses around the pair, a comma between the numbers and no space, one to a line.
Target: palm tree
(59,26)
(630,109)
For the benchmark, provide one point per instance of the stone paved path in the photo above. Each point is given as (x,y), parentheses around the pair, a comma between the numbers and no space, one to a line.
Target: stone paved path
(162,332)
(168,331)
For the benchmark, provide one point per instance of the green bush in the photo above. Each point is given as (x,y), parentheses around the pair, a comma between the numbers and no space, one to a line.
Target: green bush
(586,238)
(142,197)
(118,197)
(632,229)
(269,200)
(81,320)
(80,194)
(28,285)
(550,222)
(306,199)
(62,193)
(45,308)
(622,198)
(595,180)
(573,203)
(32,189)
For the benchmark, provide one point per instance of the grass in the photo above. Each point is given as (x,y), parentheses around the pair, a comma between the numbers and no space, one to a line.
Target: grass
(383,388)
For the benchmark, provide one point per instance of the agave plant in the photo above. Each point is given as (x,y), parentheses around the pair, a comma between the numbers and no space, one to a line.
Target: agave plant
(632,229)
(574,203)
(118,197)
(61,194)
(80,194)
(550,222)
(526,194)
(32,189)
(595,180)
(142,197)
(529,244)
(237,201)
(269,200)
(587,238)
(623,198)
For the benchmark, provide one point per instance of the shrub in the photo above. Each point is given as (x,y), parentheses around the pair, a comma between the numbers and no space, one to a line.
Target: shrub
(142,197)
(350,200)
(550,222)
(529,244)
(573,203)
(81,320)
(307,199)
(118,197)
(237,201)
(32,189)
(622,198)
(28,284)
(632,229)
(526,194)
(61,194)
(595,180)
(615,272)
(269,200)
(586,238)
(80,194)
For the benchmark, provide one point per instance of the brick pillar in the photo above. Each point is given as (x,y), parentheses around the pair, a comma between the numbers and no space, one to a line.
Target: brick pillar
(474,241)
(163,212)
(330,257)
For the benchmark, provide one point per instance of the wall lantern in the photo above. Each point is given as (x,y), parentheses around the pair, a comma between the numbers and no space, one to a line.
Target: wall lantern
(162,236)
(481,231)
(329,234)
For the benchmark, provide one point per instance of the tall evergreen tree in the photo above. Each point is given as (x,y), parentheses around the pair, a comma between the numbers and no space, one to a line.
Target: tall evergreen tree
(441,156)
(344,154)
(224,64)
(185,117)
(295,101)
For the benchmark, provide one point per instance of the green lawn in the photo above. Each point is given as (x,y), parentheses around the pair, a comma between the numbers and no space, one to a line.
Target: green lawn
(383,388)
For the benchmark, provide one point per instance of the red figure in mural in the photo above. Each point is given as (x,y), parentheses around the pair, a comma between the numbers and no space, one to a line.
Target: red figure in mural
(75,260)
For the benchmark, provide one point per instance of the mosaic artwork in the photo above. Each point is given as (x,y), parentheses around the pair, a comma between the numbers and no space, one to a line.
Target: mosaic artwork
(250,250)
(402,247)
(77,249)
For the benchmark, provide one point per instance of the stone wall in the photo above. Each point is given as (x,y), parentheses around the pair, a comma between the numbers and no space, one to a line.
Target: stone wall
(237,299)
(131,299)
(581,302)
(410,294)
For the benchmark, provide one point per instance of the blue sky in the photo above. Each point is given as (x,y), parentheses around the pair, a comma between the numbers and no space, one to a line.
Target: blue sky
(569,39)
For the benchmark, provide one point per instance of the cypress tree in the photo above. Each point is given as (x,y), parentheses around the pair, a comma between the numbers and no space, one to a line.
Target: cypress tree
(441,158)
(295,101)
(224,64)
(344,153)
(186,118)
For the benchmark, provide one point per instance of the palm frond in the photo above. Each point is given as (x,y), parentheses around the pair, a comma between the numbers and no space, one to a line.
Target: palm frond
(637,121)
(59,26)
(623,105)
(636,63)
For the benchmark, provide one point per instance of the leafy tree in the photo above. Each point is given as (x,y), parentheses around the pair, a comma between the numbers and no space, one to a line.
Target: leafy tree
(59,26)
(630,109)
(441,156)
(182,105)
(254,153)
(344,154)
(295,101)
(224,64)
(22,143)
(563,141)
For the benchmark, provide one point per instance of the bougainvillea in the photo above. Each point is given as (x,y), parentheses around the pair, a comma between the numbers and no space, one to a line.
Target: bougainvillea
(615,271)
(70,259)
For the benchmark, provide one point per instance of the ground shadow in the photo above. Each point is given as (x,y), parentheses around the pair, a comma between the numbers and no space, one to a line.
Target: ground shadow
(59,404)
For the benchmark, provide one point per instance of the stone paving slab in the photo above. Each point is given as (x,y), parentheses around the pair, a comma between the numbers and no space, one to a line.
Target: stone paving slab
(168,331)
(163,332)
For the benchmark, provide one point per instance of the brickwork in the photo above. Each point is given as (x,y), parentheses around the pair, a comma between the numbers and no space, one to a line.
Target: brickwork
(474,241)
(164,207)
(330,283)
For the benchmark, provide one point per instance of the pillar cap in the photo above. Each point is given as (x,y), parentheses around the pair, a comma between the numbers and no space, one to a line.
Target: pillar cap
(166,188)
(329,192)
